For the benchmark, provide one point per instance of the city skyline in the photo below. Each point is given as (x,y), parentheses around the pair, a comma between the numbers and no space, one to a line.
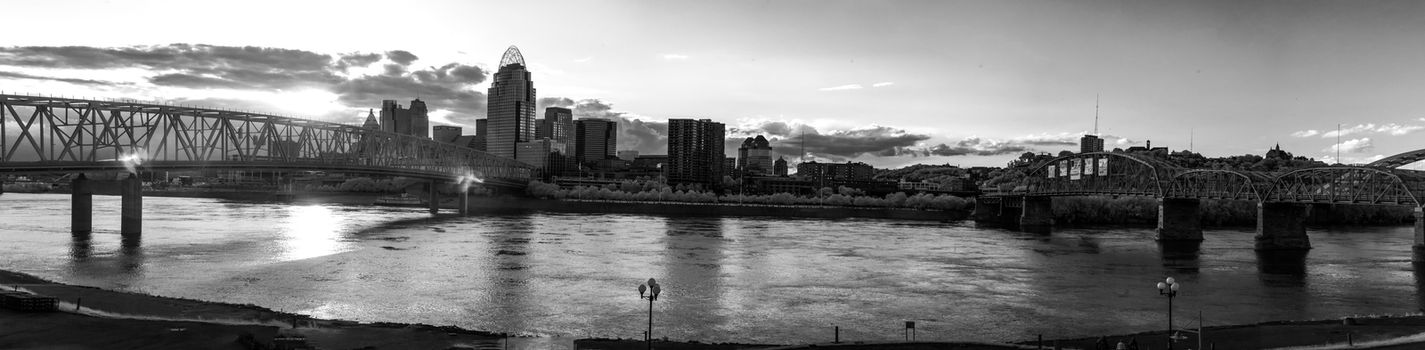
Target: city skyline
(899,81)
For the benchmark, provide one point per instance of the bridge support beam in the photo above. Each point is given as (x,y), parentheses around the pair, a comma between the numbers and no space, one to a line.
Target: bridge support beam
(131,214)
(1282,226)
(1420,236)
(985,210)
(1037,215)
(81,214)
(1179,219)
(434,196)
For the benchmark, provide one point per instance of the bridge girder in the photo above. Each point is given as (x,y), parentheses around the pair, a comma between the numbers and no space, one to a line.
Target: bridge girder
(1350,184)
(62,133)
(1099,173)
(1220,184)
(1399,160)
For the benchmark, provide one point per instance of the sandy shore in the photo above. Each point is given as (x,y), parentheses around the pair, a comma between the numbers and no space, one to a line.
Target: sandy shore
(93,318)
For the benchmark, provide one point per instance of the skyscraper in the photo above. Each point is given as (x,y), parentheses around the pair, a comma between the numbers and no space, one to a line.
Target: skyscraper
(695,151)
(754,157)
(511,106)
(392,115)
(419,122)
(595,139)
(371,122)
(444,133)
(558,125)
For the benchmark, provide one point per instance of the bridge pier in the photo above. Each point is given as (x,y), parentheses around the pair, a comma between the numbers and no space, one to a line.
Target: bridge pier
(1419,234)
(1037,214)
(1282,226)
(1179,219)
(81,212)
(985,209)
(131,215)
(434,196)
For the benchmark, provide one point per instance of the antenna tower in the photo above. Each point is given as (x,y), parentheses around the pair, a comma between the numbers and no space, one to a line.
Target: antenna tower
(1095,114)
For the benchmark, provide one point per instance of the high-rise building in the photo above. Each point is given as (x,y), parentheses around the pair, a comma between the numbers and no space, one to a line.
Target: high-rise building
(558,125)
(1090,143)
(537,153)
(754,157)
(510,106)
(822,173)
(594,139)
(400,120)
(695,151)
(779,168)
(628,155)
(392,115)
(419,120)
(481,127)
(445,133)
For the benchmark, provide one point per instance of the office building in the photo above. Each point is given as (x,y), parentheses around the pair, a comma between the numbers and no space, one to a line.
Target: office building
(594,140)
(510,106)
(779,168)
(824,173)
(445,133)
(754,157)
(695,151)
(397,119)
(1090,143)
(371,122)
(558,125)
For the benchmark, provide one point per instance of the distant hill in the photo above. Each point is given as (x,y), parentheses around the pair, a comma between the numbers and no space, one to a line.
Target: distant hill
(919,172)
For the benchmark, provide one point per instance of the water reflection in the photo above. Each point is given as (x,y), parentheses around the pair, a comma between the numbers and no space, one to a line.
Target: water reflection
(509,282)
(311,231)
(1278,268)
(131,255)
(693,254)
(1181,256)
(80,248)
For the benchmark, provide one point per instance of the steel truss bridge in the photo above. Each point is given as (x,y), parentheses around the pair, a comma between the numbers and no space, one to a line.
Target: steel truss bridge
(51,135)
(1125,174)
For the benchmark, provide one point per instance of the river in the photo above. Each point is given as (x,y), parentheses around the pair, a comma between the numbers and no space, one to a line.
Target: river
(742,279)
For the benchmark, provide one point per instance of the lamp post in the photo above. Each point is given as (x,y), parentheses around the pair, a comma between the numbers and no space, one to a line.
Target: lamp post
(1169,288)
(652,289)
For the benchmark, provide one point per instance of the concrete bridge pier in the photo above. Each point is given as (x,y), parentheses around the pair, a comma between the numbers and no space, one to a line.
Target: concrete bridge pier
(1419,235)
(985,210)
(434,196)
(81,214)
(131,214)
(1179,219)
(1037,214)
(1282,226)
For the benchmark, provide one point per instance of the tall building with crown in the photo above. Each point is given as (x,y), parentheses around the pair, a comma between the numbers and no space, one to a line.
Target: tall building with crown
(754,157)
(511,106)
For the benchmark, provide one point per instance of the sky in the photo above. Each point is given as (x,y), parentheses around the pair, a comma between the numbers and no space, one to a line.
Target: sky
(889,83)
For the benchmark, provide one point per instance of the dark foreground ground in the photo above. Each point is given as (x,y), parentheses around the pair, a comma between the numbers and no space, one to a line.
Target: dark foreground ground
(120,320)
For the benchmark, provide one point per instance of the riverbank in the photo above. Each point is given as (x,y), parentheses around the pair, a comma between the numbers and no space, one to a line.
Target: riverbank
(93,318)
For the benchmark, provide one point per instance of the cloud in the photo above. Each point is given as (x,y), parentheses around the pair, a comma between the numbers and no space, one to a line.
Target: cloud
(1330,159)
(883,84)
(401,57)
(1361,145)
(675,57)
(585,59)
(976,146)
(1391,129)
(1305,133)
(66,80)
(842,87)
(448,87)
(546,102)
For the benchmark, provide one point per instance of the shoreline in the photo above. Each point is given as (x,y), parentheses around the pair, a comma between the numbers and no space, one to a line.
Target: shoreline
(210,322)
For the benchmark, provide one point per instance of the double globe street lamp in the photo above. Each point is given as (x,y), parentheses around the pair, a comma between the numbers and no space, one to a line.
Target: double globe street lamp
(1169,288)
(652,289)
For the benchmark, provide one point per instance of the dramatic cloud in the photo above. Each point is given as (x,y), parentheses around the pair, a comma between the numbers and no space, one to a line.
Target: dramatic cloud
(449,87)
(1361,145)
(66,80)
(977,147)
(883,84)
(546,102)
(675,57)
(842,87)
(401,57)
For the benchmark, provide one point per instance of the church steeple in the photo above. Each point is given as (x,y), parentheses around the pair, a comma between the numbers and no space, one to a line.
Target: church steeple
(371,120)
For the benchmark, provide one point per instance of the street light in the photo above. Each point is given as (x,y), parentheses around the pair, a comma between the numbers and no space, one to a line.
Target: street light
(652,289)
(1169,288)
